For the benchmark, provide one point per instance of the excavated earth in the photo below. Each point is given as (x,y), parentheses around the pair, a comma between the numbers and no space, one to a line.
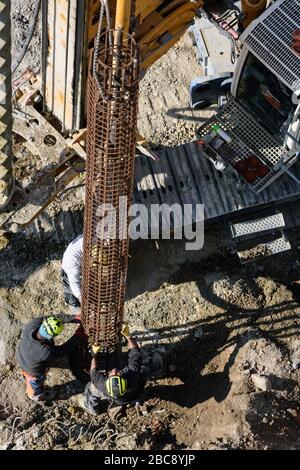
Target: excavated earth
(229,336)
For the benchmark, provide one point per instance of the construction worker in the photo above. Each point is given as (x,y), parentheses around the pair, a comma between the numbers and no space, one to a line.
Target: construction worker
(71,273)
(121,387)
(36,352)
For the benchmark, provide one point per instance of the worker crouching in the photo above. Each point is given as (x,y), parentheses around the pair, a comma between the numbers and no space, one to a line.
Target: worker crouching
(121,387)
(36,352)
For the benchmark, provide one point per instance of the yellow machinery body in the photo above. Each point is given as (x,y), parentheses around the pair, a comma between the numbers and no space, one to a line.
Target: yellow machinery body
(252,9)
(70,30)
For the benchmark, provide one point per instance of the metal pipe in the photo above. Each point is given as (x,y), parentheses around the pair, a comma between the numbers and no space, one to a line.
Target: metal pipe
(6,163)
(123,13)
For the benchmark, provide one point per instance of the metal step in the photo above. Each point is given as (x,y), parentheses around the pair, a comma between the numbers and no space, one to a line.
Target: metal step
(264,250)
(262,224)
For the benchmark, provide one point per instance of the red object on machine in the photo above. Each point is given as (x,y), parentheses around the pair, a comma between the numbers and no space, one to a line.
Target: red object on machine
(253,161)
(241,166)
(251,168)
(262,170)
(250,175)
(296,41)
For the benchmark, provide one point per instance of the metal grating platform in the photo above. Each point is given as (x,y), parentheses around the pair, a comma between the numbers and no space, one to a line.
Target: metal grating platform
(263,224)
(270,39)
(249,137)
(264,250)
(183,175)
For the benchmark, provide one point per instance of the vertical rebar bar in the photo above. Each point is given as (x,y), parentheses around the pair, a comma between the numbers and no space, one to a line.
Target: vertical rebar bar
(111,141)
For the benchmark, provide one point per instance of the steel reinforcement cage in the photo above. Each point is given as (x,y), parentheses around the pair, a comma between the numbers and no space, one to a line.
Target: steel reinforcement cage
(111,140)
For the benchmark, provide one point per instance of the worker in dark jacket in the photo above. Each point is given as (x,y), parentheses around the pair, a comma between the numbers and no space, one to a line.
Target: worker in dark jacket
(121,387)
(36,352)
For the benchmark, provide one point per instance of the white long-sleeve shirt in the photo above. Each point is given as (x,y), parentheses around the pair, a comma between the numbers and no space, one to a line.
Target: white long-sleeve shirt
(72,265)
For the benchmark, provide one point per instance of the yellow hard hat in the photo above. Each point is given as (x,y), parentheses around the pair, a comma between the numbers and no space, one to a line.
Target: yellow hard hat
(53,326)
(116,386)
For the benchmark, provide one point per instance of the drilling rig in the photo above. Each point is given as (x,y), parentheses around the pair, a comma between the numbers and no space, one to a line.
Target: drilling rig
(93,55)
(80,115)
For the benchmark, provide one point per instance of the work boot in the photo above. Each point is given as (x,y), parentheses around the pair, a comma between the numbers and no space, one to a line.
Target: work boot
(82,403)
(49,395)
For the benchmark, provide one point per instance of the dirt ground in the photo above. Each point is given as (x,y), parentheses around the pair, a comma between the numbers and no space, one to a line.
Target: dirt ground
(229,335)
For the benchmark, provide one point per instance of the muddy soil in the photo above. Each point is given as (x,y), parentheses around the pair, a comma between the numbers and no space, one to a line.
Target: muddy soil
(217,327)
(21,17)
(229,335)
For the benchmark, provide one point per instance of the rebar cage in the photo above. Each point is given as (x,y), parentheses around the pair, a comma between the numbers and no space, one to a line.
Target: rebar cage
(111,140)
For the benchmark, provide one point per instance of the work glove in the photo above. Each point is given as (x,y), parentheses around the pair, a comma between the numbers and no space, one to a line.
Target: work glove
(125,330)
(95,350)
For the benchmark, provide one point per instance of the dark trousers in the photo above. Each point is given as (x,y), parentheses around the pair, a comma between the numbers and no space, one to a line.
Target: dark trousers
(93,399)
(68,296)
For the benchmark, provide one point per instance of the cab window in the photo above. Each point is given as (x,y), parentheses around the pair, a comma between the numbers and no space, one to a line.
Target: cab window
(265,96)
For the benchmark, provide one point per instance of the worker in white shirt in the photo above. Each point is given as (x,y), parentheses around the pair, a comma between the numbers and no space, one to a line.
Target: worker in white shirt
(72,273)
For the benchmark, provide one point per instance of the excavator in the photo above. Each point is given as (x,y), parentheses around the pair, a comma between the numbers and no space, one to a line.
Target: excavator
(79,115)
